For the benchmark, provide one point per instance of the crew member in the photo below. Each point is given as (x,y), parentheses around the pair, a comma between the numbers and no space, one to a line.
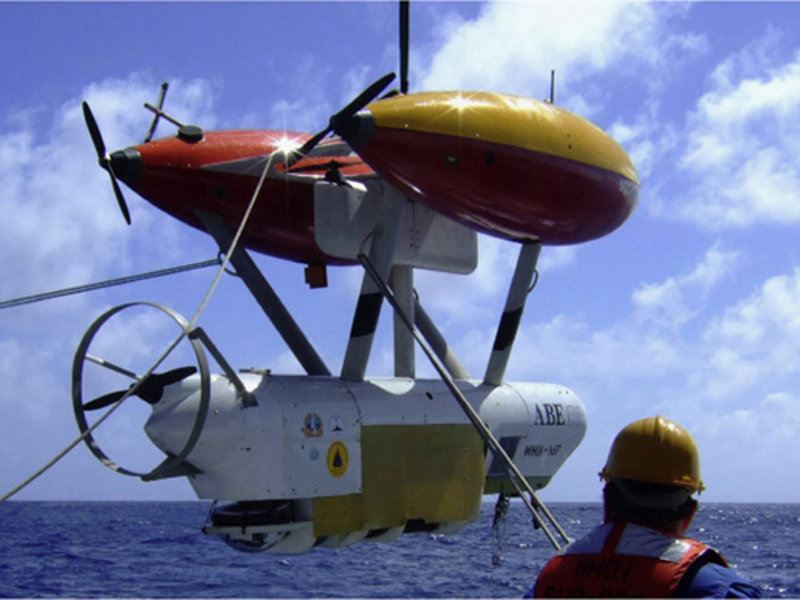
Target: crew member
(653,468)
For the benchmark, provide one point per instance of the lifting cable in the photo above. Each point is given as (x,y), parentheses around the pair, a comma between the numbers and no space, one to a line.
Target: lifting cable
(89,287)
(223,265)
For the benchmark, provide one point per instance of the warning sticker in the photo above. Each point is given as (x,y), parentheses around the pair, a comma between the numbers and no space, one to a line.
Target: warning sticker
(337,459)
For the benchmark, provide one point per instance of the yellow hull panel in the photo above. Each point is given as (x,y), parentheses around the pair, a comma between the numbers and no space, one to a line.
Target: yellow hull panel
(504,119)
(432,473)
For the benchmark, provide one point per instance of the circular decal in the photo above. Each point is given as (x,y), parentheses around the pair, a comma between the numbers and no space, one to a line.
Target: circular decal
(312,425)
(337,459)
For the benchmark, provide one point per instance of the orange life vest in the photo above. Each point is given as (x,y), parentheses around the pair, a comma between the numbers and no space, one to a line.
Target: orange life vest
(622,560)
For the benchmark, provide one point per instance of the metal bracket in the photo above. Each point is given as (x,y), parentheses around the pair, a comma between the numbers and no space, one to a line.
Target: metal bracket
(248,399)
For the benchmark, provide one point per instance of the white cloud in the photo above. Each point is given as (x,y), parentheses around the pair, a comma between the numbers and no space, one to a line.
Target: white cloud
(673,302)
(308,107)
(578,40)
(553,258)
(647,138)
(674,351)
(743,143)
(729,374)
(777,414)
(750,447)
(464,299)
(754,343)
(546,35)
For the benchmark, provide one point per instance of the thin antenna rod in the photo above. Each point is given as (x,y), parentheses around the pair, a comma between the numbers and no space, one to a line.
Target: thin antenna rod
(552,86)
(404,34)
(160,106)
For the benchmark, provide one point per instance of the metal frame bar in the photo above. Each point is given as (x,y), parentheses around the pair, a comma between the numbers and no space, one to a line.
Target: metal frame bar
(265,295)
(368,307)
(402,281)
(517,478)
(437,342)
(512,313)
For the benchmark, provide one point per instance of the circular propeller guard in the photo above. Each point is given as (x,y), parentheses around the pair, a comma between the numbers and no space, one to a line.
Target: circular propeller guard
(149,389)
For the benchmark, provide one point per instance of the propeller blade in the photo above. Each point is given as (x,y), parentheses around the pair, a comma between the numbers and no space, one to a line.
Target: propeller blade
(360,101)
(175,375)
(338,120)
(150,390)
(103,159)
(123,206)
(104,401)
(404,28)
(308,146)
(94,132)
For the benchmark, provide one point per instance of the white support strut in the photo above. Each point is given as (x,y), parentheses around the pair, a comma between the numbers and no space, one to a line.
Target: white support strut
(368,308)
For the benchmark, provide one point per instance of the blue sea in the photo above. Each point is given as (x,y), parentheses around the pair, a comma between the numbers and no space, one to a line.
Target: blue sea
(156,550)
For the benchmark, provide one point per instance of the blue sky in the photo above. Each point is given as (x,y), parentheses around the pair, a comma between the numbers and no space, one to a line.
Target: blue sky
(690,310)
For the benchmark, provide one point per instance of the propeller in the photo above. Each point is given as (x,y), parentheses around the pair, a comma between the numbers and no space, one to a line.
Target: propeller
(104,159)
(150,389)
(338,121)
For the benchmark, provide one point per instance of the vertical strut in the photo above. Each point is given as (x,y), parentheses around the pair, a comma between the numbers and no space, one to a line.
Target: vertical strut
(402,282)
(368,307)
(512,314)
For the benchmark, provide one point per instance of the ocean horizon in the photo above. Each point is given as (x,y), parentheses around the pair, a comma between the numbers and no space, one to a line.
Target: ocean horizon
(155,549)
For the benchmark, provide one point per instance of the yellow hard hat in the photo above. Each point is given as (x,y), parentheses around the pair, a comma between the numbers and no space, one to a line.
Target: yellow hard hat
(655,450)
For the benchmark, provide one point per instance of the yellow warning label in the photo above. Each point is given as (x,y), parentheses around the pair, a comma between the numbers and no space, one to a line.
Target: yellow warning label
(337,459)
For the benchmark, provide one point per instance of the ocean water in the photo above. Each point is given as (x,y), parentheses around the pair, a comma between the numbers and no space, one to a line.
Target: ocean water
(156,550)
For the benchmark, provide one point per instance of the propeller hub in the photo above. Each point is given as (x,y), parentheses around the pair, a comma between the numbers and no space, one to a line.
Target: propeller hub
(127,165)
(356,130)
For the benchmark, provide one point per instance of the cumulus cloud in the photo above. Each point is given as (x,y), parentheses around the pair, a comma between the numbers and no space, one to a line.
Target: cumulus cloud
(756,340)
(547,35)
(742,144)
(646,138)
(673,302)
(579,42)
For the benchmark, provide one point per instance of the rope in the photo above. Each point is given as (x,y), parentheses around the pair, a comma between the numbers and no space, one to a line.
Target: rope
(105,284)
(186,330)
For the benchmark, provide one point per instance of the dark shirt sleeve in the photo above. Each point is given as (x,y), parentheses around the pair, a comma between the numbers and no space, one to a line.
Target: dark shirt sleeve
(716,581)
